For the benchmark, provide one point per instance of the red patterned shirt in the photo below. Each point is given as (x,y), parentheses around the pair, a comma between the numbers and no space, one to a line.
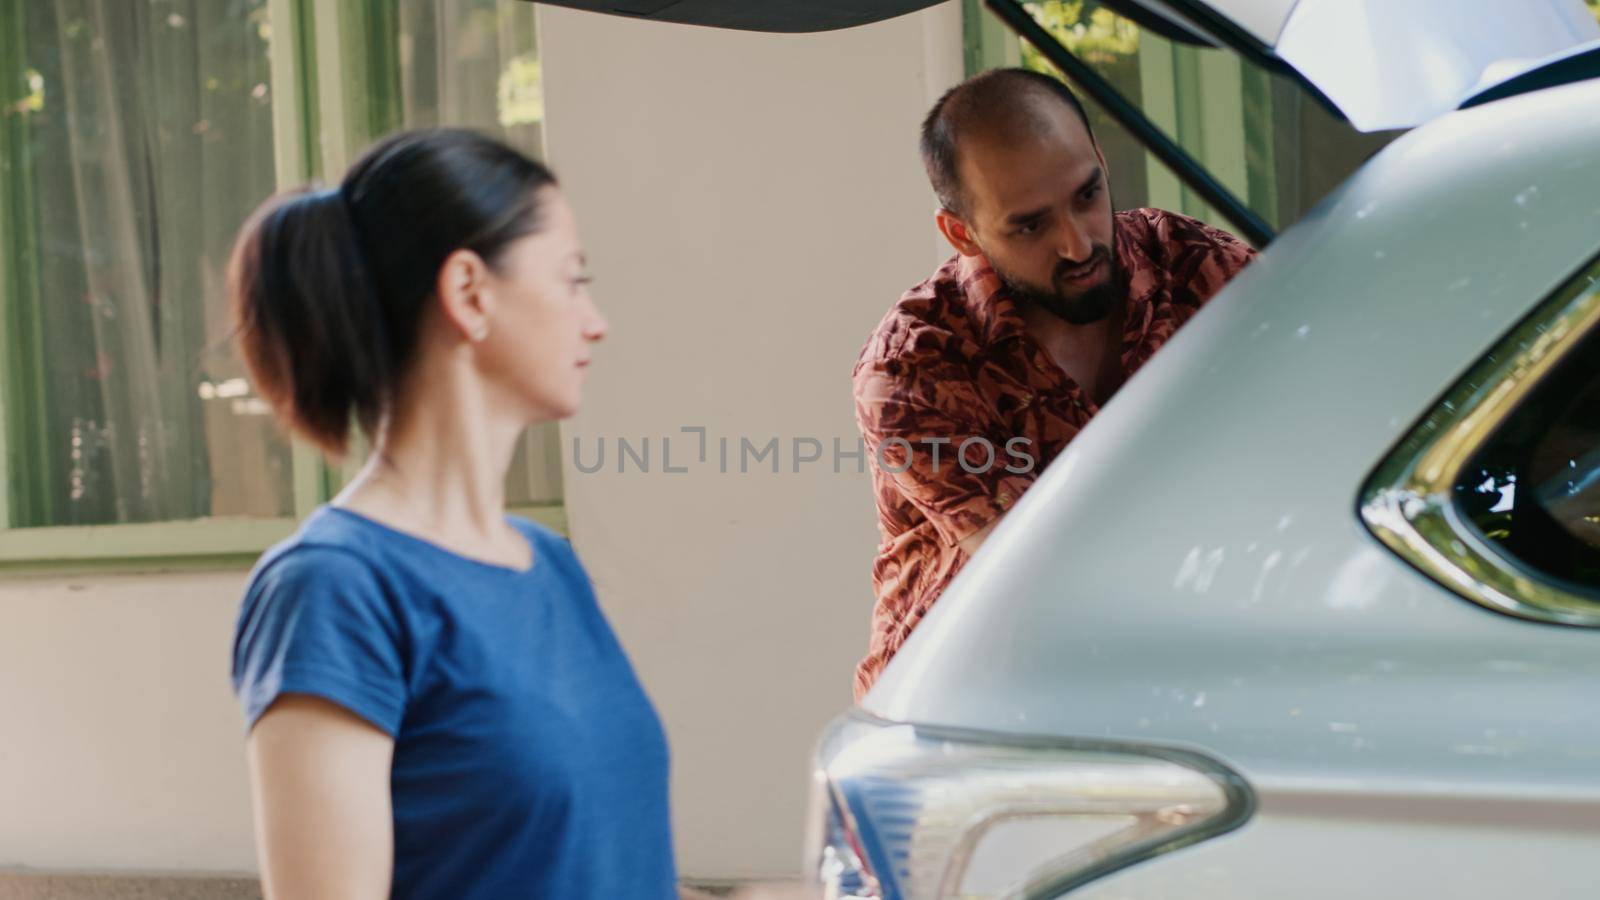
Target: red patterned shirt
(953,360)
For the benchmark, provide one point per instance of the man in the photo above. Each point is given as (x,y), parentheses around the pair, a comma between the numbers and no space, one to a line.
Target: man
(978,377)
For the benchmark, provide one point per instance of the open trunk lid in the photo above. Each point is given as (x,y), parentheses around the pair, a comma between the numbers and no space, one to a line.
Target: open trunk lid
(1384,64)
(1387,64)
(756,15)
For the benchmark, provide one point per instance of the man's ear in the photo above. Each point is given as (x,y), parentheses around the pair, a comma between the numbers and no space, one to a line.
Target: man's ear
(956,231)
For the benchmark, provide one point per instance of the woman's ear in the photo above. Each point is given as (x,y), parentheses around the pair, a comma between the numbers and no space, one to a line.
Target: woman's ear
(464,294)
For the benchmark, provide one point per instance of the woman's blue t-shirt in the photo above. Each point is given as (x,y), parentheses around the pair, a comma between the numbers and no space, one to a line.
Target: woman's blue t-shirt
(528,761)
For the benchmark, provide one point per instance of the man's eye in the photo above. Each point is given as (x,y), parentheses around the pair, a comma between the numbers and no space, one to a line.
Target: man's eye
(1031,228)
(1090,193)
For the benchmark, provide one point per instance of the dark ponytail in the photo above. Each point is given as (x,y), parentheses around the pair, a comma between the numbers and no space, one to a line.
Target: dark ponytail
(329,287)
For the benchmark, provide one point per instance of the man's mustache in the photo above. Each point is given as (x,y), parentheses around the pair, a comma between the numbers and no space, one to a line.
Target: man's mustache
(1067,269)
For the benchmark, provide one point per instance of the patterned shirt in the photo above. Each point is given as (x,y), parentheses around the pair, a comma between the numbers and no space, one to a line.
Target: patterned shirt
(953,360)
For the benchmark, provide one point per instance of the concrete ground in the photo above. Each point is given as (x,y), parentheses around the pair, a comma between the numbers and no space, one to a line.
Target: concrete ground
(28,885)
(24,884)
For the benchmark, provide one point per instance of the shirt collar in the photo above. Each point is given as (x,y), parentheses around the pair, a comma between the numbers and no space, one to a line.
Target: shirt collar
(989,307)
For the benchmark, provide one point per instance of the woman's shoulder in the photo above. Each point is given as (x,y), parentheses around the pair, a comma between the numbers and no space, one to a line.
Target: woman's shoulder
(319,618)
(327,544)
(331,563)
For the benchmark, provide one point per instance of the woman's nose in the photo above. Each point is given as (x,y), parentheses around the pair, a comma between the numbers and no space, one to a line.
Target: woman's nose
(595,326)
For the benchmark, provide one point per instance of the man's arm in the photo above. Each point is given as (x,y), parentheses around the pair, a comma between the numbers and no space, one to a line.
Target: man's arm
(915,420)
(1211,257)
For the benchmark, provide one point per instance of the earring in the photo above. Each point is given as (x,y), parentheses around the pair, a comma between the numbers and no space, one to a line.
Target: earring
(480,333)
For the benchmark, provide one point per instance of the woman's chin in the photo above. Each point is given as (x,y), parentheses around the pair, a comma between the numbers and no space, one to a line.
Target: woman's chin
(545,408)
(566,407)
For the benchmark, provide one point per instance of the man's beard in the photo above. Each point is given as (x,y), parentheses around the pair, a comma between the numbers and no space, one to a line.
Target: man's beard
(1083,306)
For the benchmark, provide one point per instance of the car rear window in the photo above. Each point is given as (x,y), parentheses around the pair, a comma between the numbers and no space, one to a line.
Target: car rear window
(1495,493)
(1533,489)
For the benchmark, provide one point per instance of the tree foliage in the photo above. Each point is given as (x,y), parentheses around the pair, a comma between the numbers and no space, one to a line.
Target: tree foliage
(1093,33)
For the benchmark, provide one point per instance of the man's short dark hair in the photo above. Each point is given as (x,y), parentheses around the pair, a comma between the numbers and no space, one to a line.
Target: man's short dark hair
(998,99)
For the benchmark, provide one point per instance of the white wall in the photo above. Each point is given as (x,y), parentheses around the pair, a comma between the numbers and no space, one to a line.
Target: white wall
(752,205)
(121,746)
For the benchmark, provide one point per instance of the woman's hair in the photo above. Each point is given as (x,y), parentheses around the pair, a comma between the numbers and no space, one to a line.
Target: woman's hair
(329,287)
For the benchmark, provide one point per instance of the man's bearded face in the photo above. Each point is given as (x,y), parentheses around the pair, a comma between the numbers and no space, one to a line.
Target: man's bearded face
(1080,293)
(1040,211)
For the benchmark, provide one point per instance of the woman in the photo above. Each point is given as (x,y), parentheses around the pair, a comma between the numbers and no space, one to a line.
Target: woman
(436,706)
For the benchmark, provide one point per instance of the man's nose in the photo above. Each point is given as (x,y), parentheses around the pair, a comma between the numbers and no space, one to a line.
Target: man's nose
(1074,244)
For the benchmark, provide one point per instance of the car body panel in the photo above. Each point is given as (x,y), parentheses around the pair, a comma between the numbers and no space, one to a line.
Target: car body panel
(1373,848)
(1192,571)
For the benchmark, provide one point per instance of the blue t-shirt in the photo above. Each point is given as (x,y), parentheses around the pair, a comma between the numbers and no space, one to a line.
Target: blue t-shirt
(528,761)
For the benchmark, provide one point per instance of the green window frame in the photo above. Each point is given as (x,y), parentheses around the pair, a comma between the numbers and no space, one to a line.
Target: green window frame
(335,83)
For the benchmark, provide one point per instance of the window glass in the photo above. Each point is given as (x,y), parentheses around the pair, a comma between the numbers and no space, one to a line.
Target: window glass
(1273,146)
(134,138)
(454,63)
(475,64)
(1534,487)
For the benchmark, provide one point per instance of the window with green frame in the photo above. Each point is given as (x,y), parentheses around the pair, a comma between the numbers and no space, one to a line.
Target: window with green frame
(1275,147)
(135,136)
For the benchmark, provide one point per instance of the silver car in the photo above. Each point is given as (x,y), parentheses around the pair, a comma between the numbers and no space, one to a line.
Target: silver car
(1306,611)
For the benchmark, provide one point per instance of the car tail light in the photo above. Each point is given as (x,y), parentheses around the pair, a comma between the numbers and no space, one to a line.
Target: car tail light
(908,812)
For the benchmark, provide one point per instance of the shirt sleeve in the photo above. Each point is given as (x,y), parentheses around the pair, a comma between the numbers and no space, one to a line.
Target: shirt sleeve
(316,621)
(930,439)
(1203,259)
